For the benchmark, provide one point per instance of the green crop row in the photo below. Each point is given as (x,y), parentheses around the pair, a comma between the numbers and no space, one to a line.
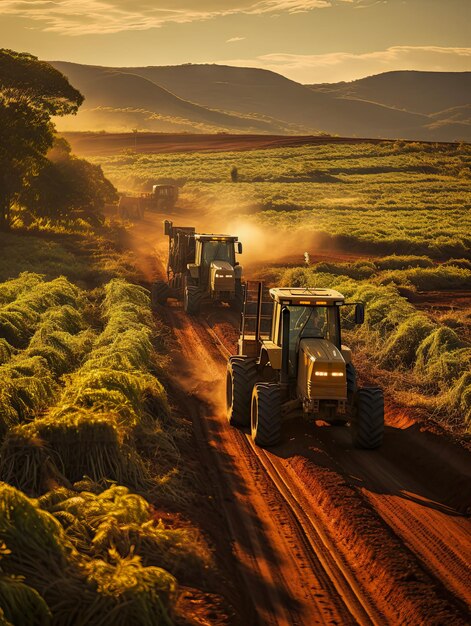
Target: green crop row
(379,198)
(48,318)
(91,428)
(87,552)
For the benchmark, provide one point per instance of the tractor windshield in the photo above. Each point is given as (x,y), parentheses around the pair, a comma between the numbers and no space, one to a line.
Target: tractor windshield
(218,251)
(311,322)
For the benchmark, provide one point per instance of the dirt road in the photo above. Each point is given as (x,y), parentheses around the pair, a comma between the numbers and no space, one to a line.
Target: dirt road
(322,533)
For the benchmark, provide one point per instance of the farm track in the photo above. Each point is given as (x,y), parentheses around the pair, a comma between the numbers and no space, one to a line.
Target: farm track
(313,535)
(396,544)
(430,517)
(285,589)
(296,568)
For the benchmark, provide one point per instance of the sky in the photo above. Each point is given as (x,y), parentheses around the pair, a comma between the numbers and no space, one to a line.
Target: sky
(310,41)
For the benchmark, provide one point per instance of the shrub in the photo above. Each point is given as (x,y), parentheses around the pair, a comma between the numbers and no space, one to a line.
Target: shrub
(395,262)
(438,356)
(114,592)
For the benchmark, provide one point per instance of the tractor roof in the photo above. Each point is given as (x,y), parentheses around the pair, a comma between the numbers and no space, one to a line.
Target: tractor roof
(307,296)
(211,237)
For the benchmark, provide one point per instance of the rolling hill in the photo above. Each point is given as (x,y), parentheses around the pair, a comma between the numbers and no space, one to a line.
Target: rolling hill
(421,92)
(117,100)
(218,98)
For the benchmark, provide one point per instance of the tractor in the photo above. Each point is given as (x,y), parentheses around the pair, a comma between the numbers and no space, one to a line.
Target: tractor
(163,198)
(201,268)
(291,361)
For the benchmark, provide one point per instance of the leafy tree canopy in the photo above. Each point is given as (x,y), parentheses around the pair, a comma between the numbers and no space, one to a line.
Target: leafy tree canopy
(67,188)
(31,91)
(43,85)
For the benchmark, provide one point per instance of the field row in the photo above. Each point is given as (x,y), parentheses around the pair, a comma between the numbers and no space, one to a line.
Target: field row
(88,443)
(379,198)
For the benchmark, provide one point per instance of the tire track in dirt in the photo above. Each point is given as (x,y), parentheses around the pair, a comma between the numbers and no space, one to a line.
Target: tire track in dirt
(438,533)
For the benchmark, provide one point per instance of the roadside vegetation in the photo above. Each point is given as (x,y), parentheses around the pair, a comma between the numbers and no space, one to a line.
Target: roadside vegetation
(88,445)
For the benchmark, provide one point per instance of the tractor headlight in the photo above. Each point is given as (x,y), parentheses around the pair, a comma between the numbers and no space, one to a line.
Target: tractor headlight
(319,373)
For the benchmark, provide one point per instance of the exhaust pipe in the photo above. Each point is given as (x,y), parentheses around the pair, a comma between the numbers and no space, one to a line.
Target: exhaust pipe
(284,375)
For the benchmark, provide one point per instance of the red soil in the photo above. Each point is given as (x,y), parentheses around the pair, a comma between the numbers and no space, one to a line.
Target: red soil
(92,144)
(397,518)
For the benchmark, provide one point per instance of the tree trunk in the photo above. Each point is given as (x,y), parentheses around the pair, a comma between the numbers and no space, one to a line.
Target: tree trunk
(5,214)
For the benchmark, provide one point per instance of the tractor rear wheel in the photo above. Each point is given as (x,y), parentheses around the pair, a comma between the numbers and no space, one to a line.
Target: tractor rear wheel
(159,293)
(266,414)
(351,381)
(192,299)
(241,378)
(238,302)
(368,418)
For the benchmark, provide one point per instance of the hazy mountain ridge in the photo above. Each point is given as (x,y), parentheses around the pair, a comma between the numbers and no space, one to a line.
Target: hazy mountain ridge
(218,98)
(420,92)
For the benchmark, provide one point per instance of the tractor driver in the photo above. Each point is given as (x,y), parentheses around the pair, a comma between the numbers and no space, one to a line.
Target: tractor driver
(305,321)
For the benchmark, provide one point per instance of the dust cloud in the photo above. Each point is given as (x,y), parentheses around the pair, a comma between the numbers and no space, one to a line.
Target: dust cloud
(262,244)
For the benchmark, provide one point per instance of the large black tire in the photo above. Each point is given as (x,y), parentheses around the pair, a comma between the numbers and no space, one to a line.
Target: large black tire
(238,301)
(241,378)
(266,414)
(192,297)
(351,381)
(159,293)
(368,418)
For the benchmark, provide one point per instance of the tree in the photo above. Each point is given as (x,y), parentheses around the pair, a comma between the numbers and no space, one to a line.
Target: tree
(31,91)
(67,187)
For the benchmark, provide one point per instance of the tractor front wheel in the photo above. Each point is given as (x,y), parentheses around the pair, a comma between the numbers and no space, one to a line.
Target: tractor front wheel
(191,299)
(368,418)
(159,293)
(266,414)
(241,378)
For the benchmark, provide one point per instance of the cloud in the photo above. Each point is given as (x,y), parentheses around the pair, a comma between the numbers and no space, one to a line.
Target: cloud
(84,17)
(234,39)
(338,66)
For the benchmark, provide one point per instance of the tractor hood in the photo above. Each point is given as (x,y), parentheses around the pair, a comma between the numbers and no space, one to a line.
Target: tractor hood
(222,276)
(321,371)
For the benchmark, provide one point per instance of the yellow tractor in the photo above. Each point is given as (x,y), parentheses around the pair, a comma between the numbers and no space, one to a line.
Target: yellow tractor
(291,361)
(201,268)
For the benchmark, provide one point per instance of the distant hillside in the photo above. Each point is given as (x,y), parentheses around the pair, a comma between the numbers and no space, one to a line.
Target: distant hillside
(212,98)
(419,92)
(117,99)
(250,90)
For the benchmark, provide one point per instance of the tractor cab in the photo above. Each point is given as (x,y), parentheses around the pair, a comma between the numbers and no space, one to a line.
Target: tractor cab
(312,314)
